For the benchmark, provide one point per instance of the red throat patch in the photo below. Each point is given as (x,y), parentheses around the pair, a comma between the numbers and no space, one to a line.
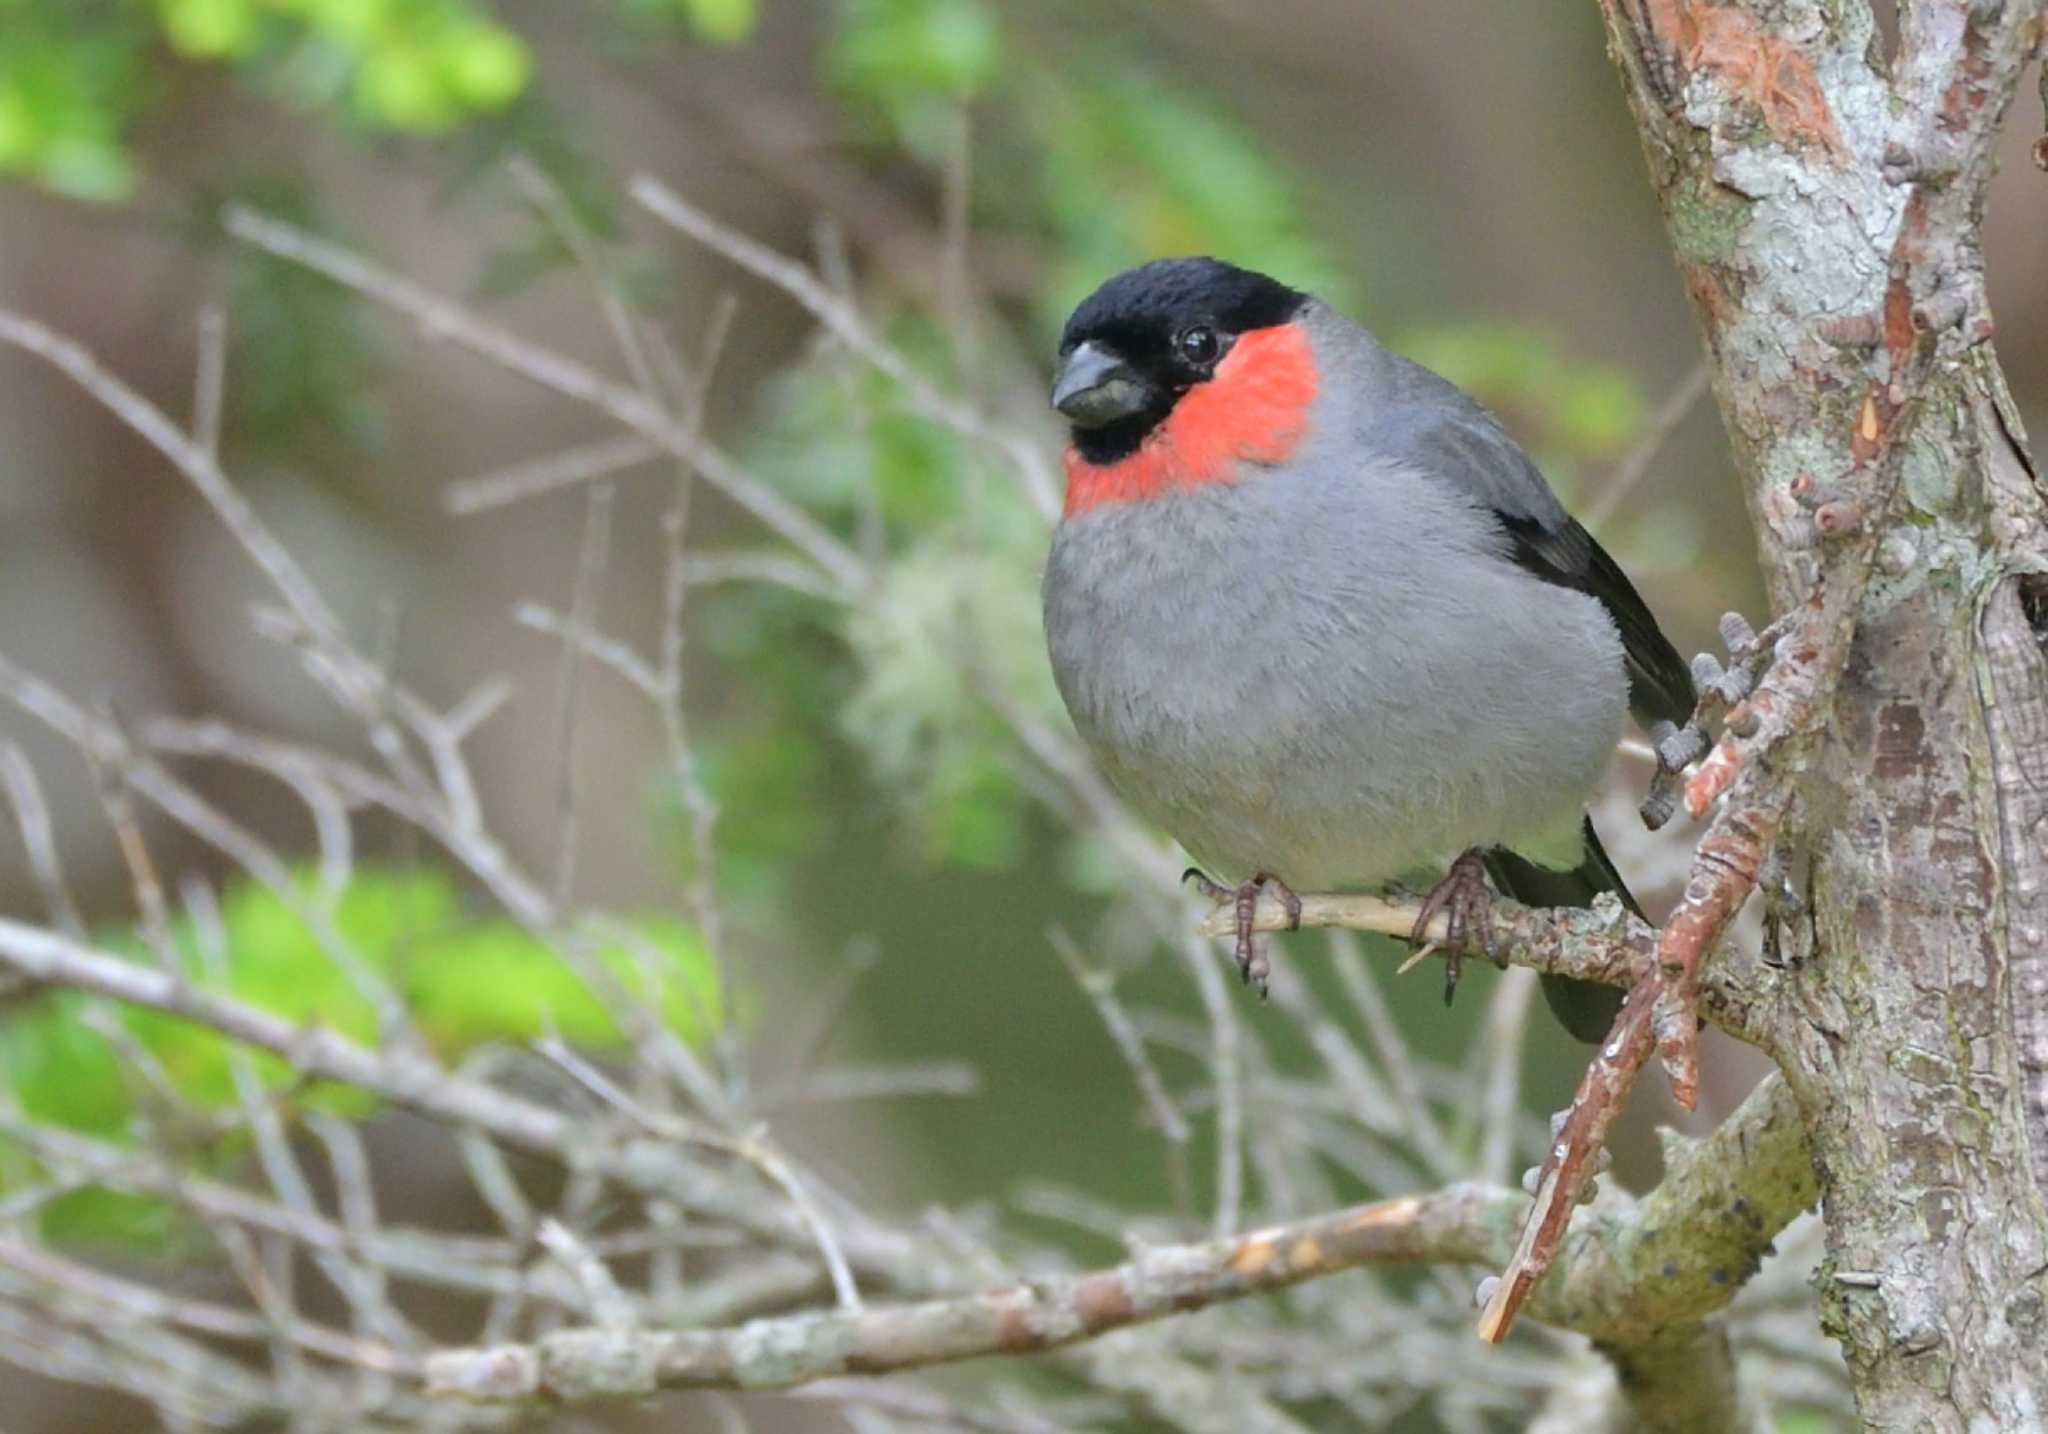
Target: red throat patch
(1253,410)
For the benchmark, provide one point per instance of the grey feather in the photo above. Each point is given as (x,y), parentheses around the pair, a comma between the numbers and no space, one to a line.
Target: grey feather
(1345,668)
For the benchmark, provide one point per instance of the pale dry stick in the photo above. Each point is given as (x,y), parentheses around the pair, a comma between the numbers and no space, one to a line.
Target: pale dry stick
(24,1202)
(610,1306)
(444,318)
(336,783)
(492,1178)
(325,787)
(752,1146)
(287,1180)
(1336,1136)
(348,1163)
(146,1304)
(609,652)
(189,457)
(592,559)
(1466,1224)
(460,1264)
(192,1385)
(357,683)
(95,734)
(835,1084)
(209,384)
(517,482)
(1387,1044)
(1026,455)
(1167,1119)
(108,761)
(827,1005)
(351,678)
(645,370)
(481,855)
(1498,1073)
(545,195)
(1635,464)
(1366,1098)
(956,217)
(692,393)
(39,838)
(835,267)
(659,1047)
(1226,1076)
(924,1406)
(401,1075)
(269,1285)
(755,566)
(482,703)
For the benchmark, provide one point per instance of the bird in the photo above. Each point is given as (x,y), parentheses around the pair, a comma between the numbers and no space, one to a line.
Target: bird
(1316,615)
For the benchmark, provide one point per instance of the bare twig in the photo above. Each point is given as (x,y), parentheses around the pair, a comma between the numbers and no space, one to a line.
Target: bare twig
(1749,1181)
(1463,1225)
(1166,1117)
(532,479)
(39,838)
(1025,454)
(1635,464)
(444,318)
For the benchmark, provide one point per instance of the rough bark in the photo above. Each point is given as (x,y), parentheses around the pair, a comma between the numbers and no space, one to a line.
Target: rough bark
(1824,202)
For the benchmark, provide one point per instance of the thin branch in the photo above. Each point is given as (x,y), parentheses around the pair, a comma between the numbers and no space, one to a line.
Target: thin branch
(1747,1183)
(1635,464)
(1172,1126)
(444,318)
(39,838)
(593,557)
(1463,1225)
(1226,1075)
(1025,454)
(532,479)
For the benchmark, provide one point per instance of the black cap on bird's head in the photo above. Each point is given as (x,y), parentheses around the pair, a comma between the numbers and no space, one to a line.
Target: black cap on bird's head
(1144,338)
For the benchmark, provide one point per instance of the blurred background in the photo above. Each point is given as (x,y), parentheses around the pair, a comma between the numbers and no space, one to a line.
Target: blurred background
(1462,176)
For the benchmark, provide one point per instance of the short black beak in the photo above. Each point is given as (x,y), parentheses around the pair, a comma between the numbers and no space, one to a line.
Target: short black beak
(1095,388)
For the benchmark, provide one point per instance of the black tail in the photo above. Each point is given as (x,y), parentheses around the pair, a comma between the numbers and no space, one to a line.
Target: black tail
(1586,1008)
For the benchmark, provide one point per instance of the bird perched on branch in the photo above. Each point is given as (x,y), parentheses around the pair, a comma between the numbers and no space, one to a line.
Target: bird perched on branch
(1320,618)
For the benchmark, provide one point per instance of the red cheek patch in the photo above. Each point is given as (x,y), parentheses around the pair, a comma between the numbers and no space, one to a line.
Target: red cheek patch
(1254,409)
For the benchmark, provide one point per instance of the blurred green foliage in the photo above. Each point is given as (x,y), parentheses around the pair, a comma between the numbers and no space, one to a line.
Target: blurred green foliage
(464,982)
(1131,168)
(1569,413)
(77,75)
(1085,160)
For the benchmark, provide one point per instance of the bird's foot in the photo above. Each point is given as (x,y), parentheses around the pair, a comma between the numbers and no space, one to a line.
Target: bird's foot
(1463,899)
(1253,967)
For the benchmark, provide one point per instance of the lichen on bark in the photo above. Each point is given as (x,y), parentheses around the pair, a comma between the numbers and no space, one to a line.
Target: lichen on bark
(1824,201)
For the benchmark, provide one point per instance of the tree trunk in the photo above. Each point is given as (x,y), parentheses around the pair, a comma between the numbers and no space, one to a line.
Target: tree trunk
(1824,204)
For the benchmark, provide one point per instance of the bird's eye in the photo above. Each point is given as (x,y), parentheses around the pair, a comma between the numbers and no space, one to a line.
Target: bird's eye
(1199,345)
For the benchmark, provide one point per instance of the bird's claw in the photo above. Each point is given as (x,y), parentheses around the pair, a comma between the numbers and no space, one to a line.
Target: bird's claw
(1253,966)
(1465,903)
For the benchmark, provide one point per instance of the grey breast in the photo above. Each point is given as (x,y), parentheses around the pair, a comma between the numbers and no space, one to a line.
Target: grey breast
(1330,670)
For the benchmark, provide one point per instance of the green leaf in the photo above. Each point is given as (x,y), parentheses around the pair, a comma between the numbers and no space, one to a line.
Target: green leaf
(487,67)
(725,21)
(211,29)
(465,981)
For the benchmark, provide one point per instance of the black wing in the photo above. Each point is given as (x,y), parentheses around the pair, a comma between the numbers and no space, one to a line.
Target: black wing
(1586,1009)
(1659,681)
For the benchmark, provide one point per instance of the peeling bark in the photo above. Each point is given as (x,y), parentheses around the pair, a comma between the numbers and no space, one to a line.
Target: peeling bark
(1825,211)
